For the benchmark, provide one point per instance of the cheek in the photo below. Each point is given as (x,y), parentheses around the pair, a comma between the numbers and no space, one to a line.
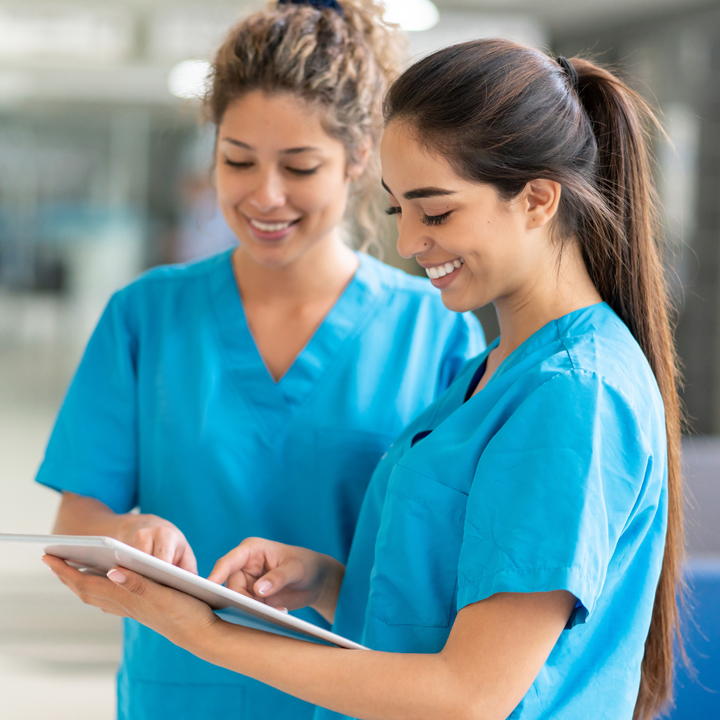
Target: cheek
(230,187)
(323,196)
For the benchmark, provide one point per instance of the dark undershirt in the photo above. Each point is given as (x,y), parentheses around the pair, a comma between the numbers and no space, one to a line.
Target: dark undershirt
(477,376)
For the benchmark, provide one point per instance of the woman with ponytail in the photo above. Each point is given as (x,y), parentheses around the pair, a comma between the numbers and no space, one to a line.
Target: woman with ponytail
(519,547)
(254,392)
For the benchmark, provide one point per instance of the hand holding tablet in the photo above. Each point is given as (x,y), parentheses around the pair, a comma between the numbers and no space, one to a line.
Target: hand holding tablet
(98,555)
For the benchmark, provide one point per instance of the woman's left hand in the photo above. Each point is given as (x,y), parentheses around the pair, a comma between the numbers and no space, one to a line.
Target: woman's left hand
(182,619)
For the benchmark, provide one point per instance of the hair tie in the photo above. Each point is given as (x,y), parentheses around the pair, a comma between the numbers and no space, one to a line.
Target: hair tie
(317,4)
(570,71)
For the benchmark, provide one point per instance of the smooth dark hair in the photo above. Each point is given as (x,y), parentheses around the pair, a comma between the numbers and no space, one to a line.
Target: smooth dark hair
(506,114)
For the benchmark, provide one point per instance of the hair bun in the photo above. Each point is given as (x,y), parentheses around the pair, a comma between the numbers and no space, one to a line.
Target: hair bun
(318,4)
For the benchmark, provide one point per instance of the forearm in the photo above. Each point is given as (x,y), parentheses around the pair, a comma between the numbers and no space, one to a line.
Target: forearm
(80,515)
(495,650)
(359,683)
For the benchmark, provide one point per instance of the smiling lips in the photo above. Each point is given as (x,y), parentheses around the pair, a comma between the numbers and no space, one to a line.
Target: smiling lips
(439,271)
(271,227)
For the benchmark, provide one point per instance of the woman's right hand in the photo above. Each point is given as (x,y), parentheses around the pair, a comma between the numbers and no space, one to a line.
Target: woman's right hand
(281,576)
(157,537)
(81,515)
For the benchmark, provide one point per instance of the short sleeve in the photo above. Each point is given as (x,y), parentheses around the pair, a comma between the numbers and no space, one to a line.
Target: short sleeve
(466,341)
(93,447)
(553,491)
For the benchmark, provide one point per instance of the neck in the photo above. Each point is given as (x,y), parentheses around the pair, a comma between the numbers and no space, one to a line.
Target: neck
(324,269)
(555,289)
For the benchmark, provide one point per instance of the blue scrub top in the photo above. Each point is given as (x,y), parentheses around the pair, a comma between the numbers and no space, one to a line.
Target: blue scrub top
(173,410)
(552,477)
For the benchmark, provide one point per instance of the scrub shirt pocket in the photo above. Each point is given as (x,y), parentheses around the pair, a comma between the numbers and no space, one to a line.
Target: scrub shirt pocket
(417,551)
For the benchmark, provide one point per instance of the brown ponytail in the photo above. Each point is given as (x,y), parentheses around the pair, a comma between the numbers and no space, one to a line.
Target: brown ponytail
(636,288)
(505,114)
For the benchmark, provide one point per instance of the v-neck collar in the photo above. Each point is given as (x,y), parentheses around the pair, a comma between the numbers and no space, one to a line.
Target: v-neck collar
(273,402)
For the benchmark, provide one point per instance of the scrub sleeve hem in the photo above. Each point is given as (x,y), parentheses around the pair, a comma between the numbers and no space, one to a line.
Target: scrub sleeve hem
(61,479)
(532,580)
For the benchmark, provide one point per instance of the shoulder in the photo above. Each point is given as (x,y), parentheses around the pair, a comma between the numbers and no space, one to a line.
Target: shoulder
(166,293)
(595,380)
(415,296)
(170,282)
(601,347)
(171,278)
(394,280)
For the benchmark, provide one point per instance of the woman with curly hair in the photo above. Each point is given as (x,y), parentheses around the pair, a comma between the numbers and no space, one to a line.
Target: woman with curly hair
(252,394)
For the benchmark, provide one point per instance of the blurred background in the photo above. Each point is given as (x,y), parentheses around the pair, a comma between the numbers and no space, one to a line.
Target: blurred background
(104,172)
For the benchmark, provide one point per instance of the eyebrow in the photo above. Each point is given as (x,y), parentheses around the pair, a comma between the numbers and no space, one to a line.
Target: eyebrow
(424,192)
(289,151)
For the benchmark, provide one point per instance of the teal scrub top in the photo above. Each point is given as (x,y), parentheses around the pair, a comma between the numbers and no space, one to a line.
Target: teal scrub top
(552,477)
(173,411)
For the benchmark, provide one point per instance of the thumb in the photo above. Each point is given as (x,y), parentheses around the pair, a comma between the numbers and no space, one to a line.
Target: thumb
(278,578)
(130,581)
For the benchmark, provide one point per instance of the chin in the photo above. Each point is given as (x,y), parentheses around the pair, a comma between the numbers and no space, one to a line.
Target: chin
(455,304)
(462,303)
(268,255)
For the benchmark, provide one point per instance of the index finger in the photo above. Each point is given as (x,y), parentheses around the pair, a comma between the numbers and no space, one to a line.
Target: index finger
(234,561)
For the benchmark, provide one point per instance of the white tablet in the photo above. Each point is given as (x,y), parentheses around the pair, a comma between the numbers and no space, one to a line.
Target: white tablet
(99,554)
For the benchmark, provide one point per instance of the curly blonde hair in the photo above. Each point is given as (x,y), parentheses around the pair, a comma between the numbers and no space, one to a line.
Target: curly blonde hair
(341,62)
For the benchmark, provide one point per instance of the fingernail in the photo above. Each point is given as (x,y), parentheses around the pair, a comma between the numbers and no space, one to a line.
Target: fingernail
(264,587)
(116,576)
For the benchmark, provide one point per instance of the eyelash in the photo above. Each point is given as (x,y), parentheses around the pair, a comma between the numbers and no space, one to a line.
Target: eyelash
(426,219)
(295,171)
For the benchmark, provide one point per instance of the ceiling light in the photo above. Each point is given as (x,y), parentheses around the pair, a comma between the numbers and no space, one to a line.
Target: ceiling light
(412,15)
(189,79)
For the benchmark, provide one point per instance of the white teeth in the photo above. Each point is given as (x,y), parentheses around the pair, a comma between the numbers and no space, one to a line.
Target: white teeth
(442,270)
(270,227)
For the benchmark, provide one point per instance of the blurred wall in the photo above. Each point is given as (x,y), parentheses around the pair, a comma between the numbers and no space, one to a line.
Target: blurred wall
(673,59)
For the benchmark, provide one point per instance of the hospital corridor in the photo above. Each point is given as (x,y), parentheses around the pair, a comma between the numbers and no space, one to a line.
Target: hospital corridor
(122,151)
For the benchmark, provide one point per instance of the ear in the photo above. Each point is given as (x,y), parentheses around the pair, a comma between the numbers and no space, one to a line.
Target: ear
(540,201)
(359,161)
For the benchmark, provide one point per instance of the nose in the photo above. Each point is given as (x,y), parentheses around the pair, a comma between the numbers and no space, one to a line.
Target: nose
(411,239)
(269,193)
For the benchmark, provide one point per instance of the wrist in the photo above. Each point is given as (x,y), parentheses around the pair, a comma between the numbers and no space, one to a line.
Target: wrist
(333,573)
(209,641)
